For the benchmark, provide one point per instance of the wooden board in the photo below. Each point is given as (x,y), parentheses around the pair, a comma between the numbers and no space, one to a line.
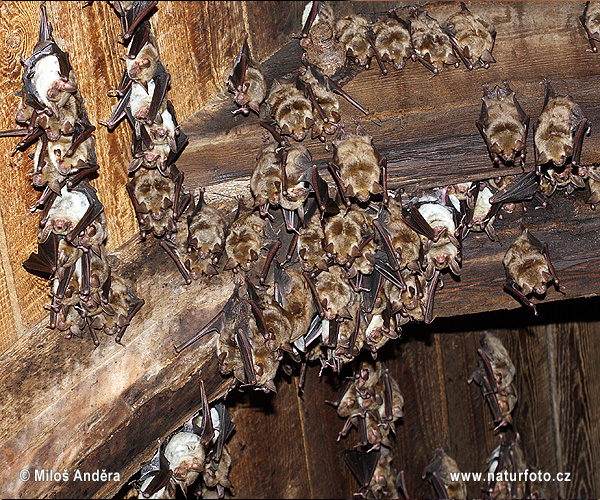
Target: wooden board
(424,125)
(68,406)
(185,30)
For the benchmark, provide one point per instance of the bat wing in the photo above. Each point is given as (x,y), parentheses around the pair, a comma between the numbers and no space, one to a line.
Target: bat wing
(43,263)
(362,465)
(522,188)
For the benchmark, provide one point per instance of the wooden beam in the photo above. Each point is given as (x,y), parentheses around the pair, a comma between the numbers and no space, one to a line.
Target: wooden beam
(425,125)
(67,406)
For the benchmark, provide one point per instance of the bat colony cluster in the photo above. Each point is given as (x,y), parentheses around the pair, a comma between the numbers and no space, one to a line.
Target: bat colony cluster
(360,262)
(495,377)
(506,464)
(86,296)
(194,457)
(371,401)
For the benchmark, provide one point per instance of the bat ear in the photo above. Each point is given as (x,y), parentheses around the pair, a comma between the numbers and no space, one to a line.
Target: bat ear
(487,57)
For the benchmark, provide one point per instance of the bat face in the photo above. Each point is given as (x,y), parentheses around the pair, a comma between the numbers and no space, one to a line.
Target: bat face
(527,266)
(406,242)
(335,293)
(350,31)
(143,66)
(65,213)
(247,81)
(206,229)
(291,109)
(503,124)
(265,181)
(445,252)
(186,456)
(344,234)
(392,40)
(326,107)
(432,46)
(474,38)
(310,246)
(358,165)
(408,304)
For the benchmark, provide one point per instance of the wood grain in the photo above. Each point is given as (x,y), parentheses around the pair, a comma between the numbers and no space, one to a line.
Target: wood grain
(577,374)
(67,405)
(425,126)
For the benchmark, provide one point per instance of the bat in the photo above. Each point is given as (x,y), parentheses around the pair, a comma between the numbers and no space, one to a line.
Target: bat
(247,81)
(290,109)
(326,107)
(431,45)
(503,125)
(472,37)
(245,239)
(558,137)
(392,40)
(351,33)
(590,19)
(436,222)
(528,269)
(438,473)
(358,169)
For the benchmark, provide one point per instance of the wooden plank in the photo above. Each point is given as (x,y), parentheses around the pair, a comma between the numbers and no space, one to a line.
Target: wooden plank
(575,352)
(329,475)
(270,459)
(106,407)
(425,421)
(426,126)
(535,412)
(19,23)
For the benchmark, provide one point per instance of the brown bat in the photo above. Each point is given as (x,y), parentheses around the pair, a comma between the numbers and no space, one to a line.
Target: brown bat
(558,135)
(392,40)
(495,377)
(326,107)
(245,239)
(349,236)
(383,481)
(594,183)
(241,349)
(358,169)
(71,213)
(528,269)
(472,37)
(431,45)
(506,462)
(291,109)
(503,125)
(438,473)
(437,225)
(157,200)
(590,19)
(247,81)
(132,13)
(400,240)
(310,241)
(197,246)
(351,32)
